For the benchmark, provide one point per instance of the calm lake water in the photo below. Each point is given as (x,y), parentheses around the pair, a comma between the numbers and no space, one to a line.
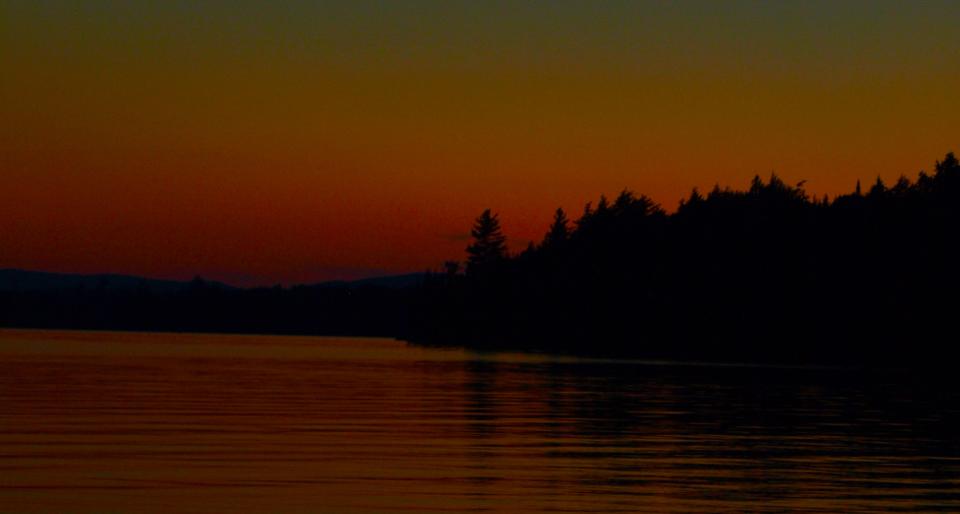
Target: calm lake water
(117,422)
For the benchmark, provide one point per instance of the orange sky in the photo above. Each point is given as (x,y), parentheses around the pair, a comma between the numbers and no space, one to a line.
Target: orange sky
(300,141)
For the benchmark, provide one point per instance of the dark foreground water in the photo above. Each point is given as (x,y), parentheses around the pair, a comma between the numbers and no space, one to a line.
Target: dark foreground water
(112,422)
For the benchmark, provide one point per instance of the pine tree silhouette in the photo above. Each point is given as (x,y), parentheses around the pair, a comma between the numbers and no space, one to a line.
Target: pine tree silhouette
(559,230)
(489,244)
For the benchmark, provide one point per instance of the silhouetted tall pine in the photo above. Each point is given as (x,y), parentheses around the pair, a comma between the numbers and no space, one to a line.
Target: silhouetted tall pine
(489,244)
(559,230)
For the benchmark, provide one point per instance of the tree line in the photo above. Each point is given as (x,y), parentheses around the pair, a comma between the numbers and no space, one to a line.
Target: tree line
(770,273)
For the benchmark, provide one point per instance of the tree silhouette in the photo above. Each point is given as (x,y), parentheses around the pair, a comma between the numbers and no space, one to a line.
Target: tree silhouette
(768,273)
(451,268)
(489,244)
(559,230)
(948,164)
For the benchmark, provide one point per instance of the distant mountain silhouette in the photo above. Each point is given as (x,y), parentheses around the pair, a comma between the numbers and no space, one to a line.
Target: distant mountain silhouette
(33,281)
(13,280)
(370,306)
(388,281)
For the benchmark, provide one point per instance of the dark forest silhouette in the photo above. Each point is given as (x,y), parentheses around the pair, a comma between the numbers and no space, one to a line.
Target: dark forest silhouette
(766,274)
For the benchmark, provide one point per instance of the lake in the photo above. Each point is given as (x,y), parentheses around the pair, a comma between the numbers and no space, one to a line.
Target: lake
(95,422)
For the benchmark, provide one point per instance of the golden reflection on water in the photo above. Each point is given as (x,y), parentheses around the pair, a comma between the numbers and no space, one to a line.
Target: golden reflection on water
(123,422)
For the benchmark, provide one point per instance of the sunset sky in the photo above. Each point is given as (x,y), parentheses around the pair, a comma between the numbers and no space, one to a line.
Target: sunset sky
(266,142)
